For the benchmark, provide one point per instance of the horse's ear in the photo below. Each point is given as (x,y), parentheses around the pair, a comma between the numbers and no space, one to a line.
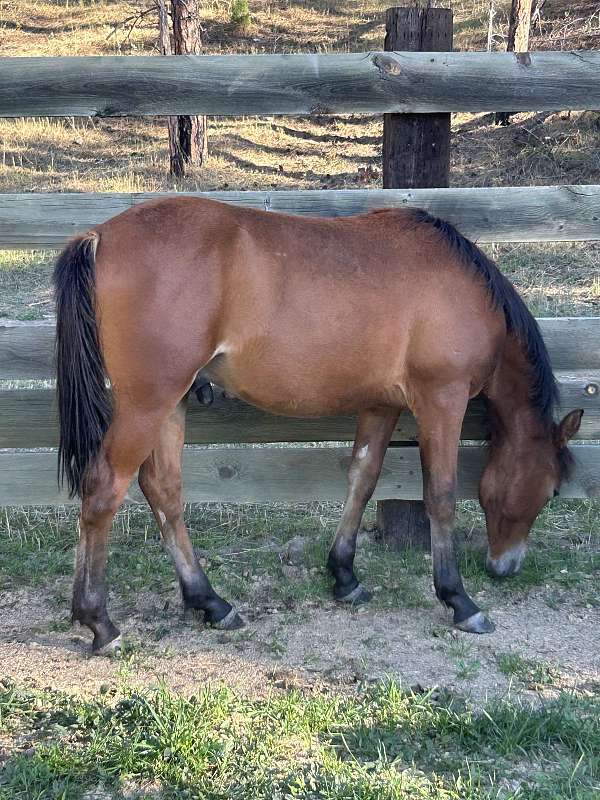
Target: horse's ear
(567,429)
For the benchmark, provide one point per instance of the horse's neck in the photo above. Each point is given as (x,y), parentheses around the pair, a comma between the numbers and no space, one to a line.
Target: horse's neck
(509,392)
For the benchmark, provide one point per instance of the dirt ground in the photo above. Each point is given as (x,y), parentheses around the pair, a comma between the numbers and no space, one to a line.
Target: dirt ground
(316,644)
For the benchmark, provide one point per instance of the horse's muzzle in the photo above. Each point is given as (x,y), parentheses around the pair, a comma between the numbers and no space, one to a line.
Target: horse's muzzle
(508,563)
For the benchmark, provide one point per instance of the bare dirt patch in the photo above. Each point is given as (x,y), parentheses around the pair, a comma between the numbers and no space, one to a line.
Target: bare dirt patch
(317,644)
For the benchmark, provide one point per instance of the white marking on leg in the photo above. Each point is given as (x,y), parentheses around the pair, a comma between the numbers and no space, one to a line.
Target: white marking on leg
(362,453)
(162,516)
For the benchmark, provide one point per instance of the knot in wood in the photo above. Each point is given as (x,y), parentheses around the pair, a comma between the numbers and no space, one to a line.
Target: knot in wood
(387,65)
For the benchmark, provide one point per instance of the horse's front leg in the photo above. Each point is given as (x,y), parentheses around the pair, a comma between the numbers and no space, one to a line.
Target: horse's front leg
(439,415)
(375,427)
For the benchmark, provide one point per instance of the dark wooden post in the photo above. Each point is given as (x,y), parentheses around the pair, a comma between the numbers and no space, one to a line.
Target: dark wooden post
(416,154)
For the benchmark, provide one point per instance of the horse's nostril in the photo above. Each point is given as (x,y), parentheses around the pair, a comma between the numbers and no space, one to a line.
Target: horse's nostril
(499,568)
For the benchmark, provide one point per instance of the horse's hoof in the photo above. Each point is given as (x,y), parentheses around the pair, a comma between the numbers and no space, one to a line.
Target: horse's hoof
(111,648)
(477,623)
(230,622)
(357,596)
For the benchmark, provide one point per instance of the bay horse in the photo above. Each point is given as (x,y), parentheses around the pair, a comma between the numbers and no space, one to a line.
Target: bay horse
(370,314)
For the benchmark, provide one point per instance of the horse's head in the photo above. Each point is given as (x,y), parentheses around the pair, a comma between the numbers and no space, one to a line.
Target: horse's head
(516,485)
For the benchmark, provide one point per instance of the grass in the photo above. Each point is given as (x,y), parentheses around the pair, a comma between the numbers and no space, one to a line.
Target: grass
(243,549)
(530,672)
(376,743)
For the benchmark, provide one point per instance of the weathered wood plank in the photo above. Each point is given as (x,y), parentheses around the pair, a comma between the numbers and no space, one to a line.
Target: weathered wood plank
(26,348)
(28,419)
(497,214)
(292,475)
(351,83)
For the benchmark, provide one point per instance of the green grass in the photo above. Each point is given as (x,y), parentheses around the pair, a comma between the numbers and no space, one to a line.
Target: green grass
(532,673)
(378,743)
(243,549)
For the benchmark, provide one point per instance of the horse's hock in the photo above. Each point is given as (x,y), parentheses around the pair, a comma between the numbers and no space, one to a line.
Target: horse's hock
(298,84)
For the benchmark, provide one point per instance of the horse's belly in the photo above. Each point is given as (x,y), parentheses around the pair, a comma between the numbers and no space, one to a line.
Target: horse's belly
(289,391)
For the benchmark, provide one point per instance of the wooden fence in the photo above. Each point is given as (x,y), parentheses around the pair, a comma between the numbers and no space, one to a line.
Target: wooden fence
(342,83)
(369,82)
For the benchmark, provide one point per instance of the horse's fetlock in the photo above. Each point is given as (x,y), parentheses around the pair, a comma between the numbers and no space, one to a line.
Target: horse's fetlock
(88,608)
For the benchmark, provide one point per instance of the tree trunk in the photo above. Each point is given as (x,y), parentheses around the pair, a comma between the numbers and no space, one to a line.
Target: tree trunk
(175,156)
(188,142)
(518,40)
(416,154)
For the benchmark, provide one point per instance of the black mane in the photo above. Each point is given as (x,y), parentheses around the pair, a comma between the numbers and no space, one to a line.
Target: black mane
(519,320)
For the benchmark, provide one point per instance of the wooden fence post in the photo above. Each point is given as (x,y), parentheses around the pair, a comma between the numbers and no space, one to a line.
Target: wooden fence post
(416,154)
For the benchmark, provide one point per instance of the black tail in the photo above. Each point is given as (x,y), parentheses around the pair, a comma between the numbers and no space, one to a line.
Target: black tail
(84,404)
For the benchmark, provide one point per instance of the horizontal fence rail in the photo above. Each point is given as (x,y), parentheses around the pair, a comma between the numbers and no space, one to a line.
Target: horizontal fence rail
(375,82)
(28,419)
(27,348)
(507,214)
(294,474)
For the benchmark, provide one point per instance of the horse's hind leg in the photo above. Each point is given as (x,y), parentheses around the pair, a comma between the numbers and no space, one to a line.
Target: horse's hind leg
(160,480)
(439,414)
(127,443)
(374,430)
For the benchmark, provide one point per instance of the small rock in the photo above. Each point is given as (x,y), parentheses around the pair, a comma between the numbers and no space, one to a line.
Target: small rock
(295,550)
(290,572)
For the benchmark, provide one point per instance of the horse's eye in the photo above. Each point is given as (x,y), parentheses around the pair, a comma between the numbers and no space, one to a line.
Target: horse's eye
(556,493)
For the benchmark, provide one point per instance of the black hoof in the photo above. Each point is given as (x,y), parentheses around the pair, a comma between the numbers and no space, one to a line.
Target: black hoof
(230,622)
(477,623)
(356,597)
(110,648)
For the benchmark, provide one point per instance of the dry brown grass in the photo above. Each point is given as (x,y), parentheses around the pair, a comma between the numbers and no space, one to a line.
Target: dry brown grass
(320,152)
